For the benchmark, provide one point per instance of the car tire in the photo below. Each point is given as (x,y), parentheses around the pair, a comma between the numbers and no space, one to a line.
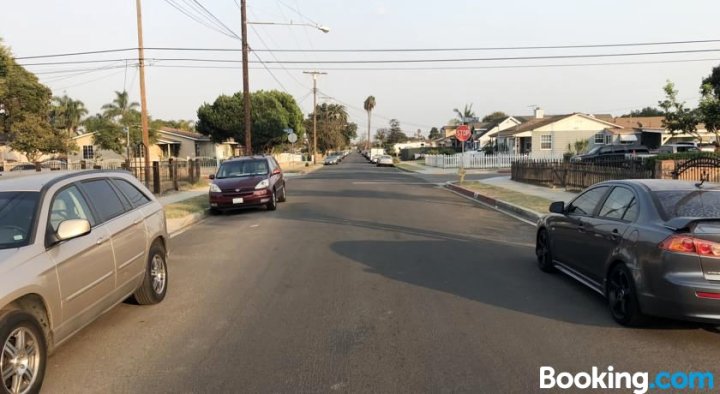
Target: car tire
(154,286)
(272,205)
(215,211)
(283,195)
(543,252)
(14,323)
(622,297)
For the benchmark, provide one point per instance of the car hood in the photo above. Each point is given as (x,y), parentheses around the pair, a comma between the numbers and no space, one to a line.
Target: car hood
(239,183)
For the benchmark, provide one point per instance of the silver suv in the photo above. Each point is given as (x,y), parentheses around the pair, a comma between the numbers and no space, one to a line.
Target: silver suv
(72,245)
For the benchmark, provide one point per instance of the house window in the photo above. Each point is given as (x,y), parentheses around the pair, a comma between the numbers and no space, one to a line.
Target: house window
(608,139)
(88,153)
(599,138)
(546,142)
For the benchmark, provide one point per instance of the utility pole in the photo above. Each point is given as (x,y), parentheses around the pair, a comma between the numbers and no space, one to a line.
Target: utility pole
(314,76)
(246,80)
(143,100)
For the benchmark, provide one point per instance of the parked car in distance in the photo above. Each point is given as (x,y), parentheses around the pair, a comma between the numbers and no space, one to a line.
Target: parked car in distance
(676,148)
(332,159)
(385,160)
(251,181)
(374,159)
(651,247)
(72,245)
(23,167)
(613,153)
(54,164)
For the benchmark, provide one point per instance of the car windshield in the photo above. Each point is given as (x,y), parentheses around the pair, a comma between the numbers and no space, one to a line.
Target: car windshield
(242,168)
(689,203)
(594,150)
(17,215)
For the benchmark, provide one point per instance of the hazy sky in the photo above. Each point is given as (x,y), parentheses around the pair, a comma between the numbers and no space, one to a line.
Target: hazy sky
(418,98)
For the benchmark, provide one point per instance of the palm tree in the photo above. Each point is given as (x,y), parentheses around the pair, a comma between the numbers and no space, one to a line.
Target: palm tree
(120,105)
(67,113)
(369,105)
(466,113)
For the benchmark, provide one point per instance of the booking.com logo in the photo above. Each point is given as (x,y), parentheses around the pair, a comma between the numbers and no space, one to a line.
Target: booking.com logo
(639,382)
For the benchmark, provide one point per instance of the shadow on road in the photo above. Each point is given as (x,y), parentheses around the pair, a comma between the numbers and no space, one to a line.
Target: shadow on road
(487,272)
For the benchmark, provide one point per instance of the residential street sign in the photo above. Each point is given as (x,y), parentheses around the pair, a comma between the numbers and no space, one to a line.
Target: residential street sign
(462,133)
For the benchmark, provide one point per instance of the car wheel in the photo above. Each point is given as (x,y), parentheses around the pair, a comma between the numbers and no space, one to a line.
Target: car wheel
(215,211)
(622,297)
(272,205)
(543,252)
(154,285)
(283,195)
(24,353)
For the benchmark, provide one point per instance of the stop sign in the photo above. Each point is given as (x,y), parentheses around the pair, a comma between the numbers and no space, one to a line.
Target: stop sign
(462,133)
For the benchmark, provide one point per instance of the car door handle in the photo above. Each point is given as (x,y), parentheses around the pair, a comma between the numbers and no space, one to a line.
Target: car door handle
(138,220)
(615,235)
(581,228)
(100,240)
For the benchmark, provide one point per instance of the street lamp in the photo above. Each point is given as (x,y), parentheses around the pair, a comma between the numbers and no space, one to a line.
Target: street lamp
(322,28)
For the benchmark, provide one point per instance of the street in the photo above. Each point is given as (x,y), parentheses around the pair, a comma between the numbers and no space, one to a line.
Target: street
(366,280)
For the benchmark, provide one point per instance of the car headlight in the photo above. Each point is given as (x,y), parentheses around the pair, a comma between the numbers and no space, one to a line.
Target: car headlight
(215,188)
(264,184)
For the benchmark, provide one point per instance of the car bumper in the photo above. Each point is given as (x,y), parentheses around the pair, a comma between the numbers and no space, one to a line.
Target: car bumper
(674,293)
(223,201)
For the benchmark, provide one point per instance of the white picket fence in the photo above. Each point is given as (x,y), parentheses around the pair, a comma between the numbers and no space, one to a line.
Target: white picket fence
(481,160)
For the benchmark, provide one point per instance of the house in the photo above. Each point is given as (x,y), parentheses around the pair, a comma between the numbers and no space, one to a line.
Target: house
(551,135)
(650,131)
(489,131)
(170,143)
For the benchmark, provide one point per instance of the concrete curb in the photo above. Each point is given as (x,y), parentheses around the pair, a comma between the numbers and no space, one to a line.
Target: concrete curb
(500,205)
(176,226)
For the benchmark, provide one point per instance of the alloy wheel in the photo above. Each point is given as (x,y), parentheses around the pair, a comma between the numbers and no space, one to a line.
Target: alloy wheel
(20,361)
(619,293)
(158,273)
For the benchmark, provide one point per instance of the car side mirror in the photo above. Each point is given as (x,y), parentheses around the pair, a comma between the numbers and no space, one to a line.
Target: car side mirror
(73,228)
(557,207)
(211,176)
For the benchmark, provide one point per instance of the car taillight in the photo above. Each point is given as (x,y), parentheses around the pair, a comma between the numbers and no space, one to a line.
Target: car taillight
(686,244)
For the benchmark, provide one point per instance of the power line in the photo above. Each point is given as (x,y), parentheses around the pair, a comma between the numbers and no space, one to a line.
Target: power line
(402,61)
(363,50)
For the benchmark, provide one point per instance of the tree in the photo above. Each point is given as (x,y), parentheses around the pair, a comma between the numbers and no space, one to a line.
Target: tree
(369,105)
(67,114)
(496,116)
(395,134)
(186,125)
(120,105)
(381,136)
(647,111)
(25,104)
(334,131)
(272,111)
(434,133)
(109,135)
(678,118)
(708,110)
(713,80)
(464,115)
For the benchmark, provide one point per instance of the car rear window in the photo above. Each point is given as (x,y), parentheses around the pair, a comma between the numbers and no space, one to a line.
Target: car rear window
(688,203)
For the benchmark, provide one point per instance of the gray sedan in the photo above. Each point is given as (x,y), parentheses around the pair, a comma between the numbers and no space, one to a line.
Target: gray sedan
(651,247)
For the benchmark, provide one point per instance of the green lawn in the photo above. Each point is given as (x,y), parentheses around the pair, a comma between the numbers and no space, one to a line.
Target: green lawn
(534,203)
(183,208)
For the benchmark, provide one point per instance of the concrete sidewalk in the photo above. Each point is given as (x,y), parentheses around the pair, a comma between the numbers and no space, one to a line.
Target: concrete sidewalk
(182,195)
(428,170)
(547,193)
(524,213)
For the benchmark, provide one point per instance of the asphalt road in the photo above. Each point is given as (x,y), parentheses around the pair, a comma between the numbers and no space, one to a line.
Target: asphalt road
(367,280)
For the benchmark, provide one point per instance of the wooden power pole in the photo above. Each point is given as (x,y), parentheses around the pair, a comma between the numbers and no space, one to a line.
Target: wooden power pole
(314,76)
(246,80)
(143,99)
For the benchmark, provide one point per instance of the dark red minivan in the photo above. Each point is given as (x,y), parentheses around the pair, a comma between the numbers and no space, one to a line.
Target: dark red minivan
(251,181)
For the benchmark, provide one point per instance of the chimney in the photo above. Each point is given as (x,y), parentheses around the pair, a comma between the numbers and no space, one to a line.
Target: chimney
(539,113)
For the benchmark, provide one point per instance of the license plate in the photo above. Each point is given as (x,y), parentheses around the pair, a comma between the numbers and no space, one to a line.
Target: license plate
(237,200)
